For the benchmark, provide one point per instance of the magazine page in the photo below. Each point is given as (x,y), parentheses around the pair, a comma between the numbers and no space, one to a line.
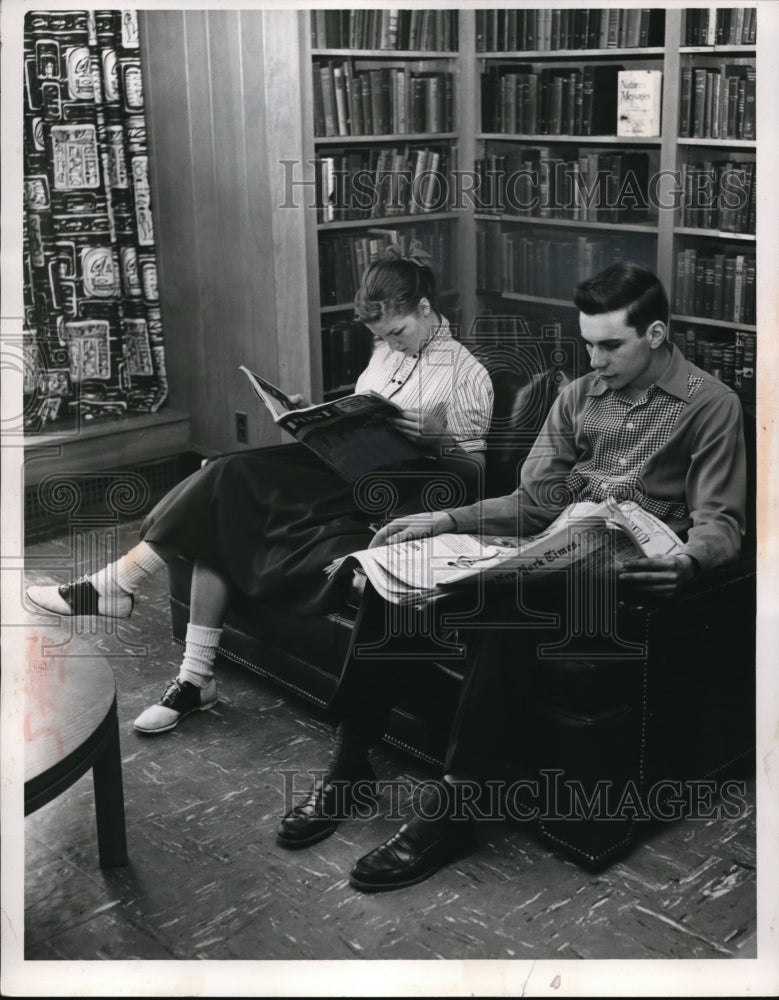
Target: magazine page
(359,406)
(277,401)
(353,435)
(353,448)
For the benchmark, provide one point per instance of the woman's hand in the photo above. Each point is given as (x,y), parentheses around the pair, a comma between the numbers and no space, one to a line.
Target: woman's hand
(405,529)
(300,401)
(420,426)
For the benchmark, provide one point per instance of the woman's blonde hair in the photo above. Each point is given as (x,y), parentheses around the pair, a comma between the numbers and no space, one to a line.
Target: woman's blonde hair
(395,285)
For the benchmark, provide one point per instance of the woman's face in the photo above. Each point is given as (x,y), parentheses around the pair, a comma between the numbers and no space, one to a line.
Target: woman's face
(407,333)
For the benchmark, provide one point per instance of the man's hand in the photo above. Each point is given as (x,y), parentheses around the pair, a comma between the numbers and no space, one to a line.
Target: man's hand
(300,401)
(420,426)
(405,529)
(662,576)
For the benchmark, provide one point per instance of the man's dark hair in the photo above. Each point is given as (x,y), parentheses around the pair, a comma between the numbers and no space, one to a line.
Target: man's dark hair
(625,286)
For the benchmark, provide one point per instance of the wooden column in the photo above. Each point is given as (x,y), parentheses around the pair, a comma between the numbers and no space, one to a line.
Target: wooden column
(223,109)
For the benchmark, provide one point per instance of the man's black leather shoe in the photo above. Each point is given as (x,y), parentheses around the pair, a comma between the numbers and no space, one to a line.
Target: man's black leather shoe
(413,854)
(327,804)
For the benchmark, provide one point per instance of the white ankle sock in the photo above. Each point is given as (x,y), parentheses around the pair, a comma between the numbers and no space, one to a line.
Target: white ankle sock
(126,575)
(199,654)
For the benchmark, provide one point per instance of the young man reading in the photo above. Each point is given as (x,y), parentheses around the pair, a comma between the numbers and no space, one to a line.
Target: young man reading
(644,425)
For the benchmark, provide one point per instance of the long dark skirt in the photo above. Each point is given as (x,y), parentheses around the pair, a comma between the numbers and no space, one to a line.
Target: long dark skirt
(270,521)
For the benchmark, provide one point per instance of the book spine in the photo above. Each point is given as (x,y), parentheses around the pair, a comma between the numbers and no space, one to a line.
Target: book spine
(691,263)
(643,28)
(612,29)
(633,28)
(716,80)
(746,350)
(685,100)
(738,290)
(750,106)
(708,287)
(709,33)
(679,282)
(594,21)
(366,88)
(402,112)
(729,286)
(750,289)
(339,87)
(741,105)
(719,279)
(319,29)
(358,123)
(728,375)
(732,107)
(699,104)
(588,89)
(328,99)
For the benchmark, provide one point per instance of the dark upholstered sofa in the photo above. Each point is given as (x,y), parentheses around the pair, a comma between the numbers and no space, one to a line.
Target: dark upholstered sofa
(604,739)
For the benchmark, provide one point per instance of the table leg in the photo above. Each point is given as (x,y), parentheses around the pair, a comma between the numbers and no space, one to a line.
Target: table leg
(109,802)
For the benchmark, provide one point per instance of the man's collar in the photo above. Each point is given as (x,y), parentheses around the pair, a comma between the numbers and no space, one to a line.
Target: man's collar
(673,380)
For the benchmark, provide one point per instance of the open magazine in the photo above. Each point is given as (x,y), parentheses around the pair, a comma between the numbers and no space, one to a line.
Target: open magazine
(353,435)
(419,571)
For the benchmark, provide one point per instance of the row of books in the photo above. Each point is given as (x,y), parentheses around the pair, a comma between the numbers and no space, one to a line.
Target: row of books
(546,267)
(391,30)
(731,360)
(346,350)
(716,285)
(719,195)
(556,29)
(720,26)
(343,259)
(718,103)
(377,182)
(383,101)
(590,186)
(555,101)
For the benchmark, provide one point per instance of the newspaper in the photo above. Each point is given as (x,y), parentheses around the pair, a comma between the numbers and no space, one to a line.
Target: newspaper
(418,571)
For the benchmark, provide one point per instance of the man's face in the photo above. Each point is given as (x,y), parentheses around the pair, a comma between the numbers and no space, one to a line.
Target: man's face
(617,353)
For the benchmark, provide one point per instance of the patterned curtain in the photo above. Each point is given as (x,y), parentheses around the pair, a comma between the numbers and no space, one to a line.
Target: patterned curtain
(93,333)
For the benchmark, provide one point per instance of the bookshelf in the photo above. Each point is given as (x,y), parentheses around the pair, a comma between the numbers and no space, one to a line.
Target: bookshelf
(532,93)
(383,99)
(554,170)
(713,317)
(698,227)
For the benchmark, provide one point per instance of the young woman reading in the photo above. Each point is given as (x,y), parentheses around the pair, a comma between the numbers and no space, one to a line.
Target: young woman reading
(265,524)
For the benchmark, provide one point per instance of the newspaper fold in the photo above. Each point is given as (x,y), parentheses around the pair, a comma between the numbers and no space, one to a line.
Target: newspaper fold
(418,571)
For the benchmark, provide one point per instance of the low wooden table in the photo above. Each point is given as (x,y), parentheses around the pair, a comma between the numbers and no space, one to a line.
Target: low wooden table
(70,725)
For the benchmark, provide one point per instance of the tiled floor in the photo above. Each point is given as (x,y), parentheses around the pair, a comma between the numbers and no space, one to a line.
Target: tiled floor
(206,879)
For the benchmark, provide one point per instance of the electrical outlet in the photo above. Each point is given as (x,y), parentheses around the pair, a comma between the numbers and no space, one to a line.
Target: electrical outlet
(241,427)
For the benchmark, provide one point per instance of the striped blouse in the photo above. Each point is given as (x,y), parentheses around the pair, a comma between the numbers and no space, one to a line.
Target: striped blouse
(444,380)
